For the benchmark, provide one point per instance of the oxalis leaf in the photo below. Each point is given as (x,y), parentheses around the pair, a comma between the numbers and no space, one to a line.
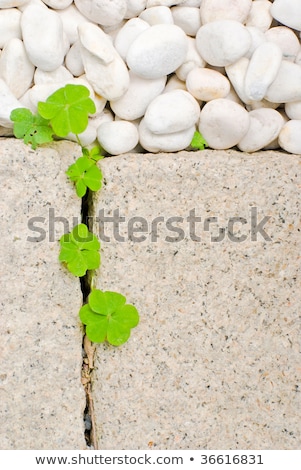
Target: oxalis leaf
(198,141)
(68,109)
(33,129)
(86,174)
(80,250)
(108,317)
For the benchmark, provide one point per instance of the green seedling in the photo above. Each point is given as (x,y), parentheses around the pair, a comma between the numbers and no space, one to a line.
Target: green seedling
(108,318)
(79,250)
(33,129)
(198,141)
(85,173)
(67,109)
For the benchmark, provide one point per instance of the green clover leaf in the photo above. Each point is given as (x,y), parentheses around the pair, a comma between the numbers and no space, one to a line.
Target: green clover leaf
(79,250)
(94,153)
(68,109)
(108,317)
(198,141)
(85,174)
(32,129)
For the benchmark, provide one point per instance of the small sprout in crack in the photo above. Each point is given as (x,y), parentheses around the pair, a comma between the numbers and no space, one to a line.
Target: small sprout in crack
(33,129)
(108,318)
(85,173)
(80,250)
(198,141)
(67,109)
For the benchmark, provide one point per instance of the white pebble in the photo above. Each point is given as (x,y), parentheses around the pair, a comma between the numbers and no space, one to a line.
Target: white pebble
(105,116)
(158,51)
(265,125)
(73,60)
(172,112)
(141,92)
(173,142)
(166,3)
(236,74)
(71,19)
(127,34)
(174,83)
(8,103)
(192,60)
(104,68)
(134,8)
(15,68)
(206,85)
(222,43)
(289,137)
(260,15)
(187,18)
(157,15)
(104,12)
(43,37)
(213,10)
(58,4)
(223,123)
(10,25)
(287,85)
(118,136)
(262,71)
(287,12)
(286,39)
(257,38)
(61,74)
(293,109)
(12,3)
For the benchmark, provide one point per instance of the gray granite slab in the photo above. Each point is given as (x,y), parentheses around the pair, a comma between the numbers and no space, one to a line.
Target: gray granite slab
(41,396)
(215,361)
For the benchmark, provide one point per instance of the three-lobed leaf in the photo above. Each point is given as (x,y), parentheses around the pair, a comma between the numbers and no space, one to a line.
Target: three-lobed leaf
(108,317)
(67,109)
(80,250)
(198,141)
(33,129)
(85,174)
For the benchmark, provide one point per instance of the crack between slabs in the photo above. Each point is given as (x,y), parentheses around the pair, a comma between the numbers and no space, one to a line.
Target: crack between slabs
(88,349)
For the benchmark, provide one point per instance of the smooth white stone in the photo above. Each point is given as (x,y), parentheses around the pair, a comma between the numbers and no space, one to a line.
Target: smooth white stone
(10,25)
(71,19)
(134,8)
(293,109)
(32,2)
(174,83)
(127,34)
(257,38)
(287,12)
(99,101)
(298,58)
(206,85)
(141,92)
(164,142)
(236,74)
(233,96)
(86,138)
(289,137)
(61,74)
(287,85)
(43,38)
(172,112)
(112,31)
(192,60)
(263,69)
(105,116)
(187,18)
(191,3)
(104,67)
(157,15)
(265,125)
(223,123)
(58,4)
(260,15)
(214,10)
(261,104)
(73,60)
(118,136)
(15,67)
(222,43)
(25,102)
(158,51)
(104,12)
(8,103)
(286,39)
(12,3)
(166,3)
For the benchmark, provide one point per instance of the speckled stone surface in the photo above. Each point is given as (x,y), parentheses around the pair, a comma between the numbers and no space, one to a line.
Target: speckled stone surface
(215,360)
(41,397)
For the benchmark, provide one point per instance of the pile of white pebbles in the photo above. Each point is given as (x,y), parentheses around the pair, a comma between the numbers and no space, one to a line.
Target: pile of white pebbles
(158,70)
